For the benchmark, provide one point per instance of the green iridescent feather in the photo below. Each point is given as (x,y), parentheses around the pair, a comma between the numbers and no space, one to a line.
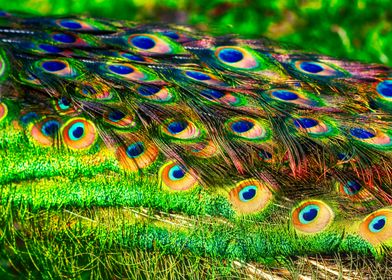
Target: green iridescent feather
(240,150)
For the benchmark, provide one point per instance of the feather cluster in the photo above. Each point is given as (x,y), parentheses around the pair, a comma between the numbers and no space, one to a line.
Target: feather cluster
(279,135)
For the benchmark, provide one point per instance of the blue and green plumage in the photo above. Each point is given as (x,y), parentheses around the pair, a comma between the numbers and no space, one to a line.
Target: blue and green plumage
(276,152)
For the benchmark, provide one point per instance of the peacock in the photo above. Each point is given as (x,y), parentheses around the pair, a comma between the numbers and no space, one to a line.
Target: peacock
(182,142)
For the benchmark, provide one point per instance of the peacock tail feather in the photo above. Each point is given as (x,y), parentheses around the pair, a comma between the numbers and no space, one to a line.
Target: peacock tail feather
(219,147)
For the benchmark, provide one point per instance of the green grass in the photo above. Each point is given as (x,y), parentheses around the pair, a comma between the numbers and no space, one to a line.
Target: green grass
(359,29)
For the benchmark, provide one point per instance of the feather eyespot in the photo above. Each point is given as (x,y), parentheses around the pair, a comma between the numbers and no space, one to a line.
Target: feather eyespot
(294,97)
(314,127)
(362,133)
(28,117)
(377,224)
(64,103)
(63,106)
(239,58)
(50,48)
(73,24)
(352,188)
(121,69)
(3,111)
(372,137)
(44,48)
(58,67)
(306,123)
(311,216)
(77,25)
(171,34)
(144,42)
(317,69)
(203,77)
(384,89)
(181,129)
(95,90)
(46,131)
(176,36)
(250,196)
(247,128)
(205,149)
(79,133)
(54,65)
(70,24)
(132,57)
(354,191)
(64,38)
(285,95)
(155,93)
(69,39)
(154,44)
(136,155)
(222,97)
(130,72)
(376,227)
(119,119)
(176,177)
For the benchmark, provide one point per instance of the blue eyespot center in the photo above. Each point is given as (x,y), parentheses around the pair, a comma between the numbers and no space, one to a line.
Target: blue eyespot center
(25,119)
(171,34)
(230,55)
(121,69)
(64,103)
(76,131)
(143,42)
(116,115)
(50,128)
(50,48)
(176,173)
(385,88)
(285,95)
(361,133)
(308,213)
(352,187)
(70,24)
(343,156)
(177,126)
(54,66)
(377,224)
(305,123)
(247,193)
(134,150)
(242,126)
(132,57)
(212,94)
(198,75)
(88,91)
(311,67)
(148,90)
(64,38)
